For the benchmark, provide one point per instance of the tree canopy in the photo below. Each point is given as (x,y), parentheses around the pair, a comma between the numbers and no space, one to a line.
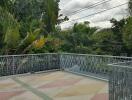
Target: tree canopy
(19,19)
(127,33)
(33,26)
(130,7)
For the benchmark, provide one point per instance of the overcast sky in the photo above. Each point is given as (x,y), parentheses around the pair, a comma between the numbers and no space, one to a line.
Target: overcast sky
(100,20)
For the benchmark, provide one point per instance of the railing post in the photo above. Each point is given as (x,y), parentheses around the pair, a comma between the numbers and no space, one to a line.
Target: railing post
(59,61)
(6,66)
(32,66)
(13,65)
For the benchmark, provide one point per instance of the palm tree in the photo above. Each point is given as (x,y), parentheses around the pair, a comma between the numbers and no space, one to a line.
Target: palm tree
(11,36)
(10,29)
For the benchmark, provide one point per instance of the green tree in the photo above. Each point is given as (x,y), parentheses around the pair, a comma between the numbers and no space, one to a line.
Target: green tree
(11,42)
(28,13)
(38,12)
(19,20)
(117,29)
(127,33)
(51,15)
(26,44)
(130,7)
(9,30)
(78,39)
(6,4)
(104,42)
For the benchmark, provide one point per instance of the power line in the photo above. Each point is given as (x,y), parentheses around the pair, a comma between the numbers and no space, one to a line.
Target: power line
(89,7)
(83,8)
(98,12)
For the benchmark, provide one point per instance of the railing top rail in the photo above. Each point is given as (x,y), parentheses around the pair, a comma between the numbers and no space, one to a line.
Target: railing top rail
(108,56)
(96,55)
(26,54)
(120,64)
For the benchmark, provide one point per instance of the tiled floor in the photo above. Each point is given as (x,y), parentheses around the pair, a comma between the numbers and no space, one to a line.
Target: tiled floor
(53,86)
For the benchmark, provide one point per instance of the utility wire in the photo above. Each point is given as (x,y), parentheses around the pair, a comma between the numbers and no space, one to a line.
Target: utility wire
(89,7)
(97,12)
(84,8)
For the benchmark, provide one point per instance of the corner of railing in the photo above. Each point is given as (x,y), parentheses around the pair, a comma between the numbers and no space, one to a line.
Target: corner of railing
(59,60)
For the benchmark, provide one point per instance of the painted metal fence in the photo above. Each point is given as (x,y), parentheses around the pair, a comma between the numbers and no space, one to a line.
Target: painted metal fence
(20,64)
(97,66)
(120,81)
(94,65)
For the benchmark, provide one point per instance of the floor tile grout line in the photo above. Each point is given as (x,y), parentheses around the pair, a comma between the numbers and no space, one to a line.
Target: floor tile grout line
(31,89)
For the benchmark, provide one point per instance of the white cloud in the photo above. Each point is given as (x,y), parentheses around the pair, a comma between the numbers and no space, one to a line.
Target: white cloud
(104,24)
(101,20)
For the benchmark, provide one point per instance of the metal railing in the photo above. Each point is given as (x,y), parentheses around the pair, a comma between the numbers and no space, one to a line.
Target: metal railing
(20,64)
(97,66)
(120,81)
(93,65)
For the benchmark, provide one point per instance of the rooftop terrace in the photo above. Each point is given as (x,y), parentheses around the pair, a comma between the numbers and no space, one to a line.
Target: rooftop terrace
(65,77)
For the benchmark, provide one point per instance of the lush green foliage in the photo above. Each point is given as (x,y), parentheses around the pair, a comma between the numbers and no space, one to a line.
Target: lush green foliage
(32,26)
(9,30)
(23,22)
(130,7)
(104,42)
(127,33)
(77,39)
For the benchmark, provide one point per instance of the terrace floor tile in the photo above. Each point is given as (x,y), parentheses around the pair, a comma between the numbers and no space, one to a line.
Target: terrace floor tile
(53,86)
